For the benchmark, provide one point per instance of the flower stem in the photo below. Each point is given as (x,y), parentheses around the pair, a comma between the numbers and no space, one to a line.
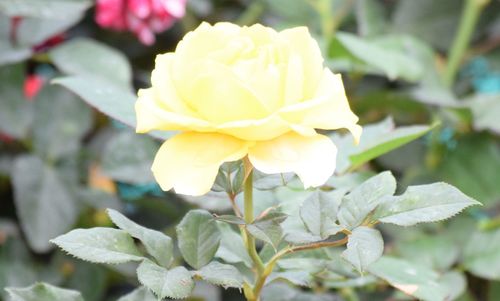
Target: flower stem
(261,280)
(470,16)
(250,240)
(263,271)
(252,13)
(330,21)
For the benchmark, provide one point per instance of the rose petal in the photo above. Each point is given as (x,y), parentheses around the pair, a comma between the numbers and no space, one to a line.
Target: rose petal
(166,92)
(302,44)
(328,110)
(152,116)
(189,162)
(312,158)
(218,95)
(260,129)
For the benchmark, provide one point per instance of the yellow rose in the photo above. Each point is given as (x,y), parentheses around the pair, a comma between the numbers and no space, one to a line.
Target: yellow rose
(236,91)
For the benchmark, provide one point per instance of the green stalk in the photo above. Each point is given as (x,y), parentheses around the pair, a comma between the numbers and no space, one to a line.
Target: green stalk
(250,240)
(330,21)
(252,13)
(263,271)
(468,21)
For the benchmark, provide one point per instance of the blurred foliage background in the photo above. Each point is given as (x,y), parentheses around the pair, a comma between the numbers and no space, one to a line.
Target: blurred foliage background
(62,162)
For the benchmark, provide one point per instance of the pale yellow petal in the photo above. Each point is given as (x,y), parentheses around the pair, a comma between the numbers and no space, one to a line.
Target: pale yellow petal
(219,96)
(189,161)
(294,82)
(150,116)
(311,158)
(302,44)
(206,40)
(166,95)
(255,130)
(263,79)
(328,110)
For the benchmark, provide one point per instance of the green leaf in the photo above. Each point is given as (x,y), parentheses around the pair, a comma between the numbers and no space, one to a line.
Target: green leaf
(128,157)
(90,58)
(175,283)
(111,99)
(473,168)
(17,269)
(300,278)
(388,142)
(363,199)
(413,279)
(284,292)
(279,292)
(295,231)
(264,181)
(339,281)
(61,120)
(296,12)
(224,275)
(267,201)
(482,255)
(16,114)
(377,139)
(494,291)
(44,204)
(139,294)
(364,247)
(268,229)
(391,62)
(43,292)
(33,31)
(198,237)
(10,53)
(46,9)
(158,245)
(422,204)
(312,265)
(99,245)
(370,16)
(41,20)
(214,201)
(232,248)
(319,212)
(434,22)
(230,219)
(230,178)
(485,110)
(87,278)
(455,284)
(350,180)
(437,252)
(99,199)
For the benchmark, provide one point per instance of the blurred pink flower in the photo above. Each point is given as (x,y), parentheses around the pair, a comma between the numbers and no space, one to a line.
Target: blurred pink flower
(32,85)
(142,17)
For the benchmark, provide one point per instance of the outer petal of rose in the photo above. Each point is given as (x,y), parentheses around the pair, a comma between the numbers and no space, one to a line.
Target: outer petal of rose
(309,53)
(189,162)
(328,110)
(166,92)
(150,116)
(255,130)
(312,158)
